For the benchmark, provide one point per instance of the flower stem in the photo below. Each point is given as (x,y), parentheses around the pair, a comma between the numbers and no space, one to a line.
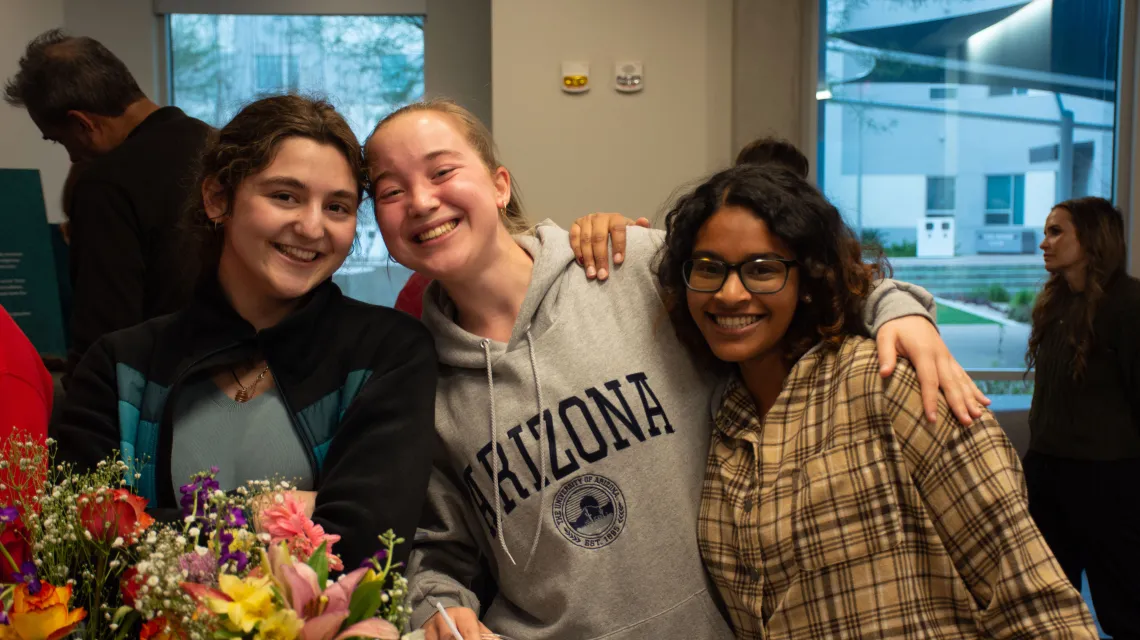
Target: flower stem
(95,615)
(8,557)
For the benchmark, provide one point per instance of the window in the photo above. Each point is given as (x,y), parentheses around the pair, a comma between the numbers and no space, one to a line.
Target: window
(276,73)
(943,93)
(1005,196)
(940,194)
(910,132)
(368,66)
(1007,91)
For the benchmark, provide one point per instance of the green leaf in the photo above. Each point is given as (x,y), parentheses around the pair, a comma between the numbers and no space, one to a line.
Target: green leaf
(222,634)
(319,562)
(126,621)
(365,602)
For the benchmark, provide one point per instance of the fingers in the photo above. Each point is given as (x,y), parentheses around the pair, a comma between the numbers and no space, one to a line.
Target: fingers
(591,237)
(961,403)
(617,239)
(927,372)
(601,240)
(469,626)
(576,240)
(465,621)
(888,351)
(980,397)
(587,244)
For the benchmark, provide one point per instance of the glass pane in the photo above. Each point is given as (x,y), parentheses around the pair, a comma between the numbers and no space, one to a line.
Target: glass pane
(952,128)
(999,192)
(367,66)
(939,194)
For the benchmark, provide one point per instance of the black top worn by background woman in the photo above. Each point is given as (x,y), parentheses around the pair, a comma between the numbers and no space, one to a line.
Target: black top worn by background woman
(358,382)
(1098,416)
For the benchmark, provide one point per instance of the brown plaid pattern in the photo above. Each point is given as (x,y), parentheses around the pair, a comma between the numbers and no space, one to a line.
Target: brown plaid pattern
(844,514)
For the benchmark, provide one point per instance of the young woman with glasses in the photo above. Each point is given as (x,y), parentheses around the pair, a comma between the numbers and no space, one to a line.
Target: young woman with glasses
(831,507)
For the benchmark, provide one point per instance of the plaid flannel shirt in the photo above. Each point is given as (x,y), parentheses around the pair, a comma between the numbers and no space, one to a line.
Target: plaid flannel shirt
(845,514)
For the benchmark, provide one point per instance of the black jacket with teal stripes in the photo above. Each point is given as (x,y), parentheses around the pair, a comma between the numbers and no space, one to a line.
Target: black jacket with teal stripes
(357,380)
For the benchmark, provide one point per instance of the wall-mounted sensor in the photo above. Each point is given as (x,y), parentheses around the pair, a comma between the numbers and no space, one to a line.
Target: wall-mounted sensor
(628,77)
(575,77)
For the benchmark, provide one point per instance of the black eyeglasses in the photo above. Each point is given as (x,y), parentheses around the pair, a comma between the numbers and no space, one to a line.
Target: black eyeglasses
(766,275)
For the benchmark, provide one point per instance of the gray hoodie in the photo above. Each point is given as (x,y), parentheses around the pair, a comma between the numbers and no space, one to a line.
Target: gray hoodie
(608,549)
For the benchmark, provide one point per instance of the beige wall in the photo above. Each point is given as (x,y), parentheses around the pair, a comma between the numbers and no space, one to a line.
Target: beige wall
(22,146)
(773,61)
(604,151)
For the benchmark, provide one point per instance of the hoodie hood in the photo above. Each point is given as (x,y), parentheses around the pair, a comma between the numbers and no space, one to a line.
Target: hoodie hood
(549,246)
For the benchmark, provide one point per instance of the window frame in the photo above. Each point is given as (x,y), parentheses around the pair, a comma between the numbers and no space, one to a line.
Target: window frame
(1126,127)
(953,192)
(457,39)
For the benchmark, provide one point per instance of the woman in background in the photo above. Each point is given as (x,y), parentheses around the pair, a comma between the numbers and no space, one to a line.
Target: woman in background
(1083,465)
(271,371)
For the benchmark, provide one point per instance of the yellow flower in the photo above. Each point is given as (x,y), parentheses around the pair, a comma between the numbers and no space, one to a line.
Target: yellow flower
(42,616)
(251,601)
(282,625)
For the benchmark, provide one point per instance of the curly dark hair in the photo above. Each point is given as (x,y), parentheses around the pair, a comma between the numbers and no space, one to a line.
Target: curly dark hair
(249,143)
(832,268)
(60,73)
(1100,232)
(775,150)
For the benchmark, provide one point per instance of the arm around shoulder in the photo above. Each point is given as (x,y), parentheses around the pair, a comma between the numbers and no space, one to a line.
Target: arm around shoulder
(971,482)
(893,299)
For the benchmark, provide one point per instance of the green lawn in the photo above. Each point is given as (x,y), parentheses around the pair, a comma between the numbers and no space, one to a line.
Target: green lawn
(950,315)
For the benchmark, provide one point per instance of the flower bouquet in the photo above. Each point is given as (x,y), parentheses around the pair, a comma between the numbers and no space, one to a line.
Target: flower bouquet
(82,558)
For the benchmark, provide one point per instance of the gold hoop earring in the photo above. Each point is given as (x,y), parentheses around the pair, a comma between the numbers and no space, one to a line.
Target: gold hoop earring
(502,212)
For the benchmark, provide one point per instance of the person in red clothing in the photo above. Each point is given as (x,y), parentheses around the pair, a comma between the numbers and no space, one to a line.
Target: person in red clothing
(25,384)
(411,298)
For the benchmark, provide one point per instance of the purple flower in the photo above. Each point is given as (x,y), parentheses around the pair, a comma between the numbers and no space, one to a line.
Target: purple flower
(375,560)
(239,557)
(29,576)
(195,500)
(200,568)
(236,518)
(9,514)
(4,617)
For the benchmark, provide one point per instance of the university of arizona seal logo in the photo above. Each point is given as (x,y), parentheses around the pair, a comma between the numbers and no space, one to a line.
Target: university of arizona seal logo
(590,511)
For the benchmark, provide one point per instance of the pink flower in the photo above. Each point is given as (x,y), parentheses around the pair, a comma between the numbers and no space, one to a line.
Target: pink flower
(286,521)
(323,613)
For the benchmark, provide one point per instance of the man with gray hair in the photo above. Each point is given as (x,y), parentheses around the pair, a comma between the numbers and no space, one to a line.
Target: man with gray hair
(127,264)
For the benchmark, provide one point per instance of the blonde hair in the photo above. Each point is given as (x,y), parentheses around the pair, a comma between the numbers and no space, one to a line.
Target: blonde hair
(479,137)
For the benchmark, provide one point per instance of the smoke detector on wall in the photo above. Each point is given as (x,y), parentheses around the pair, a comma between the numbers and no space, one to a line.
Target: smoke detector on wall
(628,77)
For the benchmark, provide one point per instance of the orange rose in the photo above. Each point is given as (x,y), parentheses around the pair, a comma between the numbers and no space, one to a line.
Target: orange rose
(156,630)
(116,513)
(44,615)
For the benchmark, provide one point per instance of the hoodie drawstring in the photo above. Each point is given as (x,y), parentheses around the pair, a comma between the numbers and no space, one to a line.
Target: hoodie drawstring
(541,454)
(486,344)
(495,454)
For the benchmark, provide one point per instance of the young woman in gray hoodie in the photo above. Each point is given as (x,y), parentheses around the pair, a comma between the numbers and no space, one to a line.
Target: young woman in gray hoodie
(572,448)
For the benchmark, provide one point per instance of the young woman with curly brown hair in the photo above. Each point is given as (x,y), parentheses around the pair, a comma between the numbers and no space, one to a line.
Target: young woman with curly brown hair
(271,371)
(1083,466)
(831,507)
